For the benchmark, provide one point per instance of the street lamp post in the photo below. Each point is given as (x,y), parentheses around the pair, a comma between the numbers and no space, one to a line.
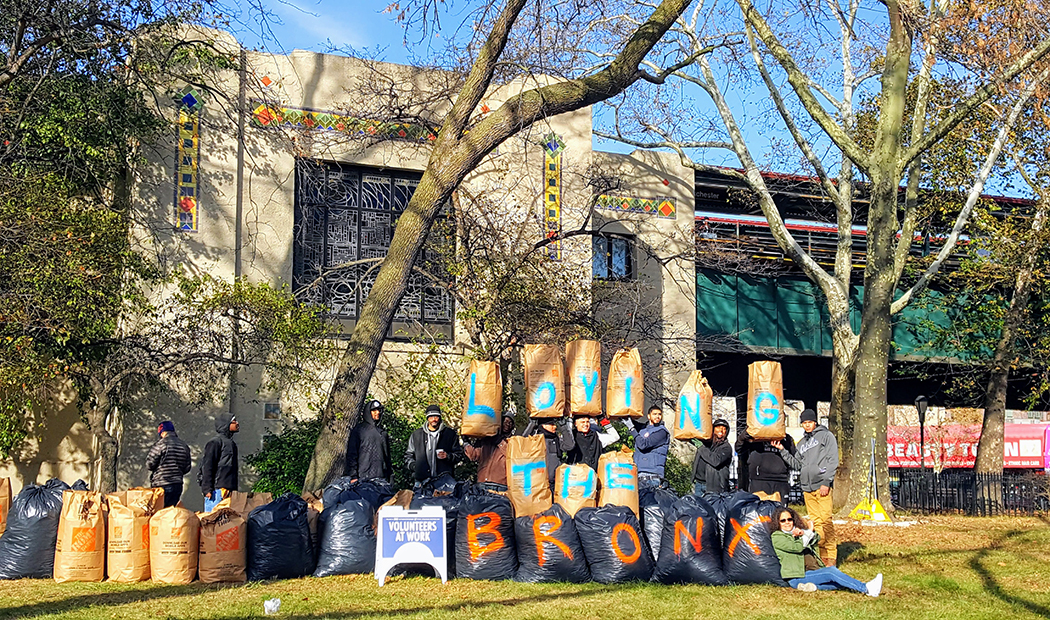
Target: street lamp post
(920,404)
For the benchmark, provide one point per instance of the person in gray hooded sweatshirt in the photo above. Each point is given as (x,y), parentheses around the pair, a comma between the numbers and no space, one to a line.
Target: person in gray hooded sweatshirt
(218,466)
(816,457)
(432,450)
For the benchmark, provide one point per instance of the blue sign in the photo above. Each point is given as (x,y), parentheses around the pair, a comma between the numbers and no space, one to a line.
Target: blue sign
(401,531)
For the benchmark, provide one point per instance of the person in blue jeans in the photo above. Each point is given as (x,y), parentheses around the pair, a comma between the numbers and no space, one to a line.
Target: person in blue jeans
(800,563)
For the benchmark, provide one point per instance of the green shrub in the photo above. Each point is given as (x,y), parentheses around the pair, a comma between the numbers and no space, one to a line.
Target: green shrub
(284,458)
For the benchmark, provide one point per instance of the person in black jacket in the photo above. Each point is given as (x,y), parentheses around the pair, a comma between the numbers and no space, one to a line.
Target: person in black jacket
(713,458)
(558,437)
(432,450)
(590,442)
(368,450)
(767,471)
(218,467)
(168,461)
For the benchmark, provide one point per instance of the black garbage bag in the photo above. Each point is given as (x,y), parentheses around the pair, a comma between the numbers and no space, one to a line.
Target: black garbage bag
(690,551)
(348,539)
(549,548)
(613,544)
(27,547)
(376,492)
(444,484)
(655,504)
(485,537)
(748,555)
(279,540)
(79,485)
(451,505)
(720,502)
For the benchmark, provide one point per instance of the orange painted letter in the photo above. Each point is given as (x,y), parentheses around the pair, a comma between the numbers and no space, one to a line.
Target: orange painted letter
(681,530)
(476,548)
(542,537)
(615,540)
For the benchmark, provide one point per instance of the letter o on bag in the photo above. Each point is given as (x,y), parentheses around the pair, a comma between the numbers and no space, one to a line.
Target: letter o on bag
(615,540)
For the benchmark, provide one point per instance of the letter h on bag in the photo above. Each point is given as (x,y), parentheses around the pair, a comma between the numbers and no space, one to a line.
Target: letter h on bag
(568,483)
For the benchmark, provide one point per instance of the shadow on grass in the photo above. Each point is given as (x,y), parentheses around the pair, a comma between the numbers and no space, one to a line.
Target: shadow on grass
(846,549)
(130,597)
(450,607)
(991,584)
(106,599)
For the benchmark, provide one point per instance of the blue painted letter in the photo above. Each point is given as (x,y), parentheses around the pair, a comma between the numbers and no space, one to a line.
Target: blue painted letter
(473,409)
(588,388)
(567,483)
(544,395)
(767,416)
(526,469)
(689,404)
(620,476)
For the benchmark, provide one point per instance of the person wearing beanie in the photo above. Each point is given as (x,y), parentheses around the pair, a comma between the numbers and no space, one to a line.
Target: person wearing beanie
(713,459)
(432,450)
(168,462)
(490,453)
(817,458)
(368,449)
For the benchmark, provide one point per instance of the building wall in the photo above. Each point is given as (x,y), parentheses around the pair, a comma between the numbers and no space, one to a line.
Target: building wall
(262,217)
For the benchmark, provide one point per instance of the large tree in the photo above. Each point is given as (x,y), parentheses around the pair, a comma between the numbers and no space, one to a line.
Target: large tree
(463,140)
(902,47)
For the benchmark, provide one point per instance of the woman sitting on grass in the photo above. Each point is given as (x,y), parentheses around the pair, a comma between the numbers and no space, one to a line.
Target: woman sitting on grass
(800,563)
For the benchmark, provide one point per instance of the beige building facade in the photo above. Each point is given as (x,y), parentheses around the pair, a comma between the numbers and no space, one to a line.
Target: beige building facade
(278,176)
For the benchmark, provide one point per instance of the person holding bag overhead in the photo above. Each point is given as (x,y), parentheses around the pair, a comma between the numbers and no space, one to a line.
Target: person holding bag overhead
(589,442)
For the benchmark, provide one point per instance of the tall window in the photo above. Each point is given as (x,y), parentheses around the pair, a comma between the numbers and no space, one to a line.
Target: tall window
(613,257)
(344,216)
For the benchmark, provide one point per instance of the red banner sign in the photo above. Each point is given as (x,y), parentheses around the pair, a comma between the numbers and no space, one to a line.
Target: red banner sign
(955,445)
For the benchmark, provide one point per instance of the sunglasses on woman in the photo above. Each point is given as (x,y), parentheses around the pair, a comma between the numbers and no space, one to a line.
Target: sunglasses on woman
(788,520)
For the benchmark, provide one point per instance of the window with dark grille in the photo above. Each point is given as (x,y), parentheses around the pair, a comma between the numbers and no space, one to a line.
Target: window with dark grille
(346,215)
(613,257)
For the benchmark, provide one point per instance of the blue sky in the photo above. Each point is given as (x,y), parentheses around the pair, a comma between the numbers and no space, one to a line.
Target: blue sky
(313,24)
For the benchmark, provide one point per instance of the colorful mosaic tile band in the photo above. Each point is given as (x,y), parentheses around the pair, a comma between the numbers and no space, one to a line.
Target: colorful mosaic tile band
(269,115)
(661,206)
(553,147)
(187,160)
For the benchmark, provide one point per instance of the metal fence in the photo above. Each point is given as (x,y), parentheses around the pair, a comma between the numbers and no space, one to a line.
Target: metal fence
(966,492)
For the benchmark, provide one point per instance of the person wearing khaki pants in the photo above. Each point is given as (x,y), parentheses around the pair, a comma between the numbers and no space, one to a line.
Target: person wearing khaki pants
(816,457)
(819,509)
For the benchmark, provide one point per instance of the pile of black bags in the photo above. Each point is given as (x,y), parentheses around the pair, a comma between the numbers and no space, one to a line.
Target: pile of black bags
(690,548)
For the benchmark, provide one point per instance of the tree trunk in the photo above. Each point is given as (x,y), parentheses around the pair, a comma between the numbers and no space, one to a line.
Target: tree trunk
(843,376)
(104,465)
(455,154)
(990,446)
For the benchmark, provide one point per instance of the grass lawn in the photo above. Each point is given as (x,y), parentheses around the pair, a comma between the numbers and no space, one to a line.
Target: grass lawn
(944,567)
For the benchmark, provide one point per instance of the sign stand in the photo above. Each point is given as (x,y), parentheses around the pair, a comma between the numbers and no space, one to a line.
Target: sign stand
(411,537)
(871,509)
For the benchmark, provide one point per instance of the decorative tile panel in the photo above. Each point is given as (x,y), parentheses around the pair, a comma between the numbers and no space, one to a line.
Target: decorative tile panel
(271,115)
(553,147)
(661,206)
(187,160)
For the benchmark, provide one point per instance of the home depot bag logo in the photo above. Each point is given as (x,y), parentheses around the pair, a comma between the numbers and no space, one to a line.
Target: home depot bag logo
(228,540)
(83,540)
